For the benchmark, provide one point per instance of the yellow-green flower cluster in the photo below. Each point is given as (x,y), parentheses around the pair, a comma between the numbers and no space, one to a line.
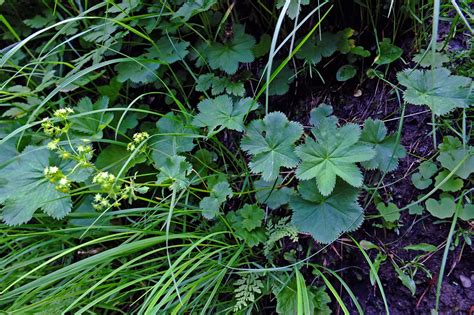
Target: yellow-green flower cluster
(56,176)
(137,139)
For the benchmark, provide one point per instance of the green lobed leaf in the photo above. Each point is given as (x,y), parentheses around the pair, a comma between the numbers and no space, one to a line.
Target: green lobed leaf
(436,88)
(271,141)
(91,124)
(333,154)
(227,56)
(388,150)
(453,184)
(223,111)
(174,171)
(22,177)
(173,136)
(325,218)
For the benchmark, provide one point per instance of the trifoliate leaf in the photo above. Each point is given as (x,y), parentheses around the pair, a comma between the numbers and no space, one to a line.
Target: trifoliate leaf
(453,184)
(227,56)
(325,218)
(168,50)
(436,88)
(389,212)
(388,150)
(24,188)
(174,171)
(443,208)
(425,59)
(293,8)
(271,194)
(223,111)
(271,141)
(334,153)
(173,137)
(388,52)
(91,124)
(345,73)
(467,212)
(139,72)
(452,158)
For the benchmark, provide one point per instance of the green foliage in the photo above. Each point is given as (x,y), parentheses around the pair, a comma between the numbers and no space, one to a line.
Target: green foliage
(438,89)
(325,218)
(173,137)
(453,154)
(271,194)
(174,171)
(246,287)
(271,141)
(224,112)
(422,179)
(219,84)
(388,150)
(91,124)
(453,184)
(388,52)
(287,298)
(346,72)
(26,174)
(389,212)
(220,191)
(334,153)
(294,7)
(443,208)
(247,223)
(227,56)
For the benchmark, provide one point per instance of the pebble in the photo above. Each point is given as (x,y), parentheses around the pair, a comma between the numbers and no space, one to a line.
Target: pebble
(465,281)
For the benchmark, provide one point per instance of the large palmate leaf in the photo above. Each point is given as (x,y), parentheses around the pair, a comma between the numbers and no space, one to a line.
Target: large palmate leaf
(334,153)
(271,141)
(140,71)
(325,218)
(24,188)
(436,88)
(223,111)
(227,56)
(388,150)
(192,7)
(173,137)
(91,124)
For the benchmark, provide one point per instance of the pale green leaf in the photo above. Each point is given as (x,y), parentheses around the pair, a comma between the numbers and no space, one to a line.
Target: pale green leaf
(223,111)
(436,88)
